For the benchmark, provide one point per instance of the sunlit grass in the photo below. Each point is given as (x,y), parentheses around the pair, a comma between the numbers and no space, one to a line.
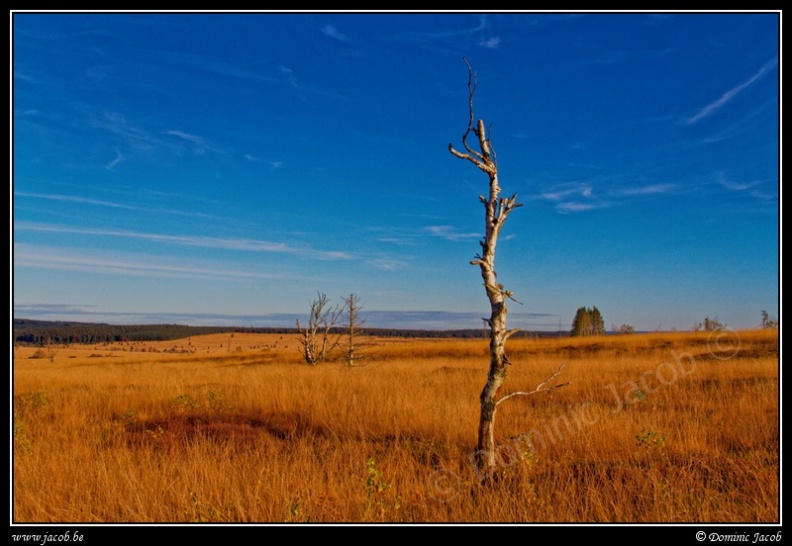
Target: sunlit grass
(676,427)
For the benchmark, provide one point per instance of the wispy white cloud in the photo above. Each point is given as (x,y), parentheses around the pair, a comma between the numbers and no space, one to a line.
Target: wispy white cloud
(140,139)
(573,197)
(288,76)
(252,75)
(450,233)
(565,190)
(388,263)
(574,206)
(273,164)
(737,186)
(74,199)
(751,187)
(118,158)
(117,125)
(755,194)
(599,55)
(490,43)
(110,204)
(332,32)
(396,240)
(21,76)
(255,159)
(647,190)
(218,67)
(712,107)
(734,127)
(200,144)
(124,263)
(480,35)
(186,136)
(231,244)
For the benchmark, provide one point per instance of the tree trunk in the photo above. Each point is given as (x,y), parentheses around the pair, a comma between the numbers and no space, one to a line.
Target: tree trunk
(353,324)
(496,212)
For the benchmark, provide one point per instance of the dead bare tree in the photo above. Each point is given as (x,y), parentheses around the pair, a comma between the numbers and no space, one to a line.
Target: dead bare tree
(496,210)
(355,344)
(317,339)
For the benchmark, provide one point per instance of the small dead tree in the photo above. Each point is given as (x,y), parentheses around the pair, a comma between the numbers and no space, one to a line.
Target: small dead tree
(317,339)
(353,324)
(496,210)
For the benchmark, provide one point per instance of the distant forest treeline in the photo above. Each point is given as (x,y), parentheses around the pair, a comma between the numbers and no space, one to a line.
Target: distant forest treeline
(44,332)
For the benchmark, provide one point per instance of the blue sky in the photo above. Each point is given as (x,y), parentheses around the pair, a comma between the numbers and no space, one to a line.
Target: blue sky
(221,168)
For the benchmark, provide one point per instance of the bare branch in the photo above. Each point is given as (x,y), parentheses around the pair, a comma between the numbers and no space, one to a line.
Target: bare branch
(472,84)
(484,142)
(539,388)
(492,150)
(485,158)
(478,161)
(508,294)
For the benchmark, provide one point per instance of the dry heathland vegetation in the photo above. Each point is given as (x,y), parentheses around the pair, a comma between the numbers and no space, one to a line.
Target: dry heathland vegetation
(675,427)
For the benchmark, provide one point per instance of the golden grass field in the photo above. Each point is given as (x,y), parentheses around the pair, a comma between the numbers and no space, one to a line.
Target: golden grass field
(671,427)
